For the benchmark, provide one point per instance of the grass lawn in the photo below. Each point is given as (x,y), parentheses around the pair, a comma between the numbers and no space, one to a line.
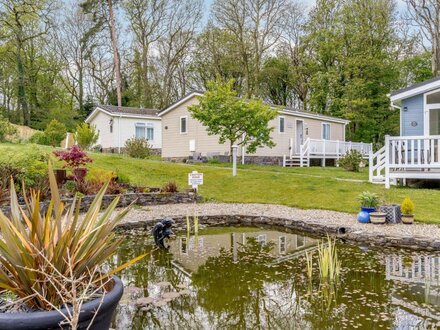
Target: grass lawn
(323,188)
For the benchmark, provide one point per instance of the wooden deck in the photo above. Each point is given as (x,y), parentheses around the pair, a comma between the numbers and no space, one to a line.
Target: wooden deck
(407,157)
(323,150)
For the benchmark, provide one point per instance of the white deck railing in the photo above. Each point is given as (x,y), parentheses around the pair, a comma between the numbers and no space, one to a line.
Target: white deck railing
(406,157)
(336,148)
(318,148)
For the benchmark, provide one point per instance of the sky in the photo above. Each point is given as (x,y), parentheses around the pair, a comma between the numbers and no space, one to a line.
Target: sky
(309,3)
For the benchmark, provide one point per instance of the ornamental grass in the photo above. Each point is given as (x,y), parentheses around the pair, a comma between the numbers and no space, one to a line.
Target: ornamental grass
(37,245)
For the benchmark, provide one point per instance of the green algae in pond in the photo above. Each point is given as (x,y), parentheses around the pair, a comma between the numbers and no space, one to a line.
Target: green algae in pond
(240,278)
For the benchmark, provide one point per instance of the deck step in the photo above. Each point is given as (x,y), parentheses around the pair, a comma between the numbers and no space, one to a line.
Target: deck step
(295,162)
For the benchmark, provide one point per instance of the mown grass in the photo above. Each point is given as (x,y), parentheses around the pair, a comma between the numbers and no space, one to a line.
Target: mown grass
(308,188)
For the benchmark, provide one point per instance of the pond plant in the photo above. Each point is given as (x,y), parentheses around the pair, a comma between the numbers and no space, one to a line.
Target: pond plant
(53,258)
(369,202)
(328,262)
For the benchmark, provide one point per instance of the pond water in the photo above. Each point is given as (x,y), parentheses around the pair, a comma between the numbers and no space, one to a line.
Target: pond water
(251,278)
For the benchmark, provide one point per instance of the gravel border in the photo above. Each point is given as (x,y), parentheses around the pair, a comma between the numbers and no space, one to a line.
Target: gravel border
(341,224)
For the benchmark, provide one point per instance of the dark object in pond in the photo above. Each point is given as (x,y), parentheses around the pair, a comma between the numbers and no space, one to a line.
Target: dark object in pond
(162,230)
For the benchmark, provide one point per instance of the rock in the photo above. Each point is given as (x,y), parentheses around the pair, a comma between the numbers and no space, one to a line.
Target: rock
(163,284)
(144,301)
(160,303)
(171,295)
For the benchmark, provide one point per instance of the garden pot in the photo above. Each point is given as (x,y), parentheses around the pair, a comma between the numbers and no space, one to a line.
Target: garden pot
(60,176)
(378,217)
(50,320)
(393,212)
(363,217)
(408,219)
(368,209)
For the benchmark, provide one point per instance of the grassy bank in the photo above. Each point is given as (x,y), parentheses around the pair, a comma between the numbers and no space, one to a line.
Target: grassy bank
(323,188)
(329,188)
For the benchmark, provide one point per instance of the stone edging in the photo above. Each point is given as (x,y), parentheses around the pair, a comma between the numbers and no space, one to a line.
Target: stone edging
(142,199)
(343,233)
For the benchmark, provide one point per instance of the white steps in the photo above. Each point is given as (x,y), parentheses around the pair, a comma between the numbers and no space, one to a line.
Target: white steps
(295,161)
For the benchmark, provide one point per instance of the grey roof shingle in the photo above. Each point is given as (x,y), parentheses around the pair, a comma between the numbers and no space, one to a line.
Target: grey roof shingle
(129,110)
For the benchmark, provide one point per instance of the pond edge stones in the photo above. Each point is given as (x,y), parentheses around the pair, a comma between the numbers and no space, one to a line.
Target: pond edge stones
(350,231)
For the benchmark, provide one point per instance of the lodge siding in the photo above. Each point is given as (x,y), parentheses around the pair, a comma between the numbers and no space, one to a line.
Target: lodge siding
(176,145)
(412,120)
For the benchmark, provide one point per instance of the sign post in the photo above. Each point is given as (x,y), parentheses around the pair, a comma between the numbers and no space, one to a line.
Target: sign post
(234,160)
(195,179)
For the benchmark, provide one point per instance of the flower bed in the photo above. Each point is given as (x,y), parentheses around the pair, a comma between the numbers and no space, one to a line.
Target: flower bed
(125,199)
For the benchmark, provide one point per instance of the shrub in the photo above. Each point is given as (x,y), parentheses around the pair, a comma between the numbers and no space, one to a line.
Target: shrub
(6,128)
(74,157)
(137,148)
(55,132)
(38,251)
(86,136)
(100,176)
(170,187)
(28,166)
(39,138)
(351,161)
(407,206)
(369,199)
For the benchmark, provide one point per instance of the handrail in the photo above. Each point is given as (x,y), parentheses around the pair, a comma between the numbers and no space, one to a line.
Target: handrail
(304,151)
(379,156)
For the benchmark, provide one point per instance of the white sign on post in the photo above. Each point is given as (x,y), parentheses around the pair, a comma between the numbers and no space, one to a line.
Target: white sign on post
(195,179)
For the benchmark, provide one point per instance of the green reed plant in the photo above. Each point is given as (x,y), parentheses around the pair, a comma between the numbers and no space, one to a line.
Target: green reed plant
(196,225)
(309,264)
(328,262)
(36,246)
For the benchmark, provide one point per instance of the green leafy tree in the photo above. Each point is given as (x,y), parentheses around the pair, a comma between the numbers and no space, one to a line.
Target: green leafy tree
(55,132)
(276,80)
(239,121)
(86,135)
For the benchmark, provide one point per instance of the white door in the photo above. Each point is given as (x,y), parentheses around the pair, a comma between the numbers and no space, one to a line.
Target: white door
(299,135)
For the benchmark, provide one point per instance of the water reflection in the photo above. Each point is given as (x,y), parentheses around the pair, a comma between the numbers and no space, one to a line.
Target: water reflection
(241,278)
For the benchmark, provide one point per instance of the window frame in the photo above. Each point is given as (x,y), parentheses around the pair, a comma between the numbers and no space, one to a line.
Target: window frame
(186,124)
(323,131)
(279,124)
(140,125)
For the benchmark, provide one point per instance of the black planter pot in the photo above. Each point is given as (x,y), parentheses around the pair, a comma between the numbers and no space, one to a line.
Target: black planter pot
(50,320)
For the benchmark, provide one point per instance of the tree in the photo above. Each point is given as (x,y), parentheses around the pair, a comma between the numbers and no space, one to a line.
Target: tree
(276,81)
(256,26)
(86,136)
(216,56)
(55,132)
(73,48)
(103,12)
(426,15)
(22,23)
(147,20)
(173,47)
(239,121)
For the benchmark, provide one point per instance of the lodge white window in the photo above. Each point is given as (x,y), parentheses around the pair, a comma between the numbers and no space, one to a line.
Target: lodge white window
(144,131)
(282,245)
(325,131)
(281,125)
(183,124)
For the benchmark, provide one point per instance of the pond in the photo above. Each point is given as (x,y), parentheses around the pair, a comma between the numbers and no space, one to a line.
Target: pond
(250,278)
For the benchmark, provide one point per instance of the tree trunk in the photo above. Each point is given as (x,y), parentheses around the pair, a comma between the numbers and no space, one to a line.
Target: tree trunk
(115,53)
(22,102)
(436,55)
